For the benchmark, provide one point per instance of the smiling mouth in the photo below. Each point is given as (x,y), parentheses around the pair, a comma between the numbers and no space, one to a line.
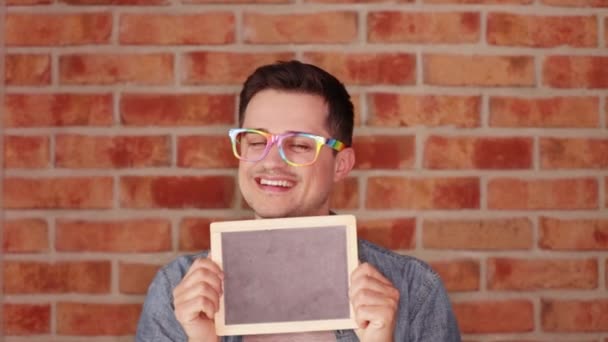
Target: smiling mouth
(275,183)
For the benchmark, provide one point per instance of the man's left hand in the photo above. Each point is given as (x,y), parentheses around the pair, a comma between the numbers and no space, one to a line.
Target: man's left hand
(375,301)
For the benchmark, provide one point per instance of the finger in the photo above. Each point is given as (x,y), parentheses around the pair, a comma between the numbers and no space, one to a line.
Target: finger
(202,270)
(190,310)
(366,297)
(372,284)
(366,269)
(198,290)
(373,316)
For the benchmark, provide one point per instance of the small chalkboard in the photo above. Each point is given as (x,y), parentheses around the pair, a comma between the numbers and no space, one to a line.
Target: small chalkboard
(285,275)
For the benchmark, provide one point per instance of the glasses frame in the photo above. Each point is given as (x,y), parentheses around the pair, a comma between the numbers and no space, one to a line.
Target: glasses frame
(272,139)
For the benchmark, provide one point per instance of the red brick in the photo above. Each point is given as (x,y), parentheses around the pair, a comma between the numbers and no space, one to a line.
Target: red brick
(236,1)
(354,1)
(300,28)
(27,69)
(24,29)
(346,194)
(574,193)
(395,234)
(481,234)
(458,275)
(110,319)
(478,70)
(423,27)
(25,236)
(28,152)
(135,235)
(177,192)
(26,319)
(484,317)
(172,29)
(483,2)
(574,315)
(58,193)
(367,68)
(422,193)
(31,277)
(384,152)
(43,110)
(573,234)
(107,69)
(27,2)
(566,112)
(115,2)
(135,278)
(445,152)
(577,3)
(194,234)
(205,152)
(177,109)
(207,67)
(82,151)
(574,153)
(429,110)
(576,71)
(541,31)
(537,274)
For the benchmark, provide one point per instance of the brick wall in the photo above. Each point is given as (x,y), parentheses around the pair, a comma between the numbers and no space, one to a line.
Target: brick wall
(482,143)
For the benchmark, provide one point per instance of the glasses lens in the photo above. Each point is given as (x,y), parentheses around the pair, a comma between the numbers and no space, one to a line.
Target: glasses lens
(250,146)
(300,149)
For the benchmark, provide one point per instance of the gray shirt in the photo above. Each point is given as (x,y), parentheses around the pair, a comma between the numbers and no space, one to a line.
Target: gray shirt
(424,313)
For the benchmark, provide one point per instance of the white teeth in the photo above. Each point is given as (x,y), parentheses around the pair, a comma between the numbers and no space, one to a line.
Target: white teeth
(281,183)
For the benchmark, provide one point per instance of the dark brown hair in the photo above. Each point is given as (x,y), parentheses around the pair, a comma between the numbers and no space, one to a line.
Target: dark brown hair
(296,76)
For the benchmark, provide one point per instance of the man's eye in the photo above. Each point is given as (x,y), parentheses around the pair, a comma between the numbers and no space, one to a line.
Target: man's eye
(301,147)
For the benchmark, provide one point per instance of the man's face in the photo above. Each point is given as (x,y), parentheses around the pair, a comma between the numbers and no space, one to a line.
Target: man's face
(297,191)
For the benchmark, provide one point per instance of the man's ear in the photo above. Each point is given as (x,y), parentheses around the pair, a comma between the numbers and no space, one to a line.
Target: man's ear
(345,161)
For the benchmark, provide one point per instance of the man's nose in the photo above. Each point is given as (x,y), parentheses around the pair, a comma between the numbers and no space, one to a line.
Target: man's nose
(273,157)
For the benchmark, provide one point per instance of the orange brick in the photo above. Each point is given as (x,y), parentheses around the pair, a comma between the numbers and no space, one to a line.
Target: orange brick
(576,71)
(31,277)
(353,1)
(194,234)
(58,193)
(27,2)
(25,236)
(574,193)
(384,152)
(422,193)
(115,2)
(26,319)
(135,278)
(537,274)
(136,235)
(481,234)
(177,109)
(307,28)
(346,194)
(458,275)
(43,110)
(484,317)
(177,192)
(205,152)
(27,69)
(171,29)
(111,319)
(106,69)
(477,70)
(423,27)
(567,112)
(395,234)
(391,110)
(443,152)
(577,3)
(574,315)
(483,2)
(574,153)
(209,67)
(235,1)
(28,152)
(367,68)
(573,234)
(82,151)
(541,31)
(24,29)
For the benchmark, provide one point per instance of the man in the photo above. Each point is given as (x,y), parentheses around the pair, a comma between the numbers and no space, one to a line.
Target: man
(294,145)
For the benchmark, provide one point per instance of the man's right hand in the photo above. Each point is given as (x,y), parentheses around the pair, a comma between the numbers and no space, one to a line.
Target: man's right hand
(197,298)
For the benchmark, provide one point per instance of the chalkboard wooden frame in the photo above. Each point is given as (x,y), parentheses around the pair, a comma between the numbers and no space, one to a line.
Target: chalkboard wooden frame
(316,226)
